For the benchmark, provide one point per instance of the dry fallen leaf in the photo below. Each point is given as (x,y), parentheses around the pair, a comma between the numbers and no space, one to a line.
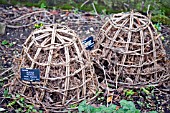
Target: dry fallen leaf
(109,99)
(117,107)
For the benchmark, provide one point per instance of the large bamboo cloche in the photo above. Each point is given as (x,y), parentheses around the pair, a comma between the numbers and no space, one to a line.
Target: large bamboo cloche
(66,75)
(131,50)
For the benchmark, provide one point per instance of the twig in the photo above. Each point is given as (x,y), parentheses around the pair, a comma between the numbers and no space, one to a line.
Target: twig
(6,71)
(53,19)
(28,14)
(45,13)
(106,84)
(6,78)
(148,10)
(94,8)
(84,3)
(38,21)
(3,98)
(162,91)
(70,100)
(11,26)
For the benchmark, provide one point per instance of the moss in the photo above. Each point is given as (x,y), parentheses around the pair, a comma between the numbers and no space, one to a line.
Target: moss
(161,19)
(87,7)
(166,10)
(70,5)
(31,4)
(66,6)
(3,2)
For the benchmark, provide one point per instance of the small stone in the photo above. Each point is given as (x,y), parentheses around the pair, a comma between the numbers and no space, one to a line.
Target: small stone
(14,43)
(3,58)
(64,18)
(87,32)
(62,23)
(91,29)
(14,9)
(21,35)
(2,28)
(15,52)
(34,9)
(9,63)
(80,32)
(63,15)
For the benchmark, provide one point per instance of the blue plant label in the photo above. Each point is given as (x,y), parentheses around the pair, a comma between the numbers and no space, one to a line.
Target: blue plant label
(89,43)
(30,74)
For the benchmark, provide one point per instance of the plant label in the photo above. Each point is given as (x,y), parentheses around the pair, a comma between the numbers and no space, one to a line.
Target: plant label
(89,43)
(30,74)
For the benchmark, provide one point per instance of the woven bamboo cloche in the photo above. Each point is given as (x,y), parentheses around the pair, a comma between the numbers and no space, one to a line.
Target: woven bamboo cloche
(66,76)
(131,50)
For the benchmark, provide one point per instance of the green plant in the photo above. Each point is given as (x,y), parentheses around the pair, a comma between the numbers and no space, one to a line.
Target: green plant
(6,93)
(11,44)
(104,11)
(84,107)
(140,103)
(145,90)
(163,38)
(158,26)
(43,6)
(129,93)
(1,82)
(38,25)
(73,105)
(161,19)
(19,104)
(126,107)
(150,87)
(100,98)
(76,11)
(4,42)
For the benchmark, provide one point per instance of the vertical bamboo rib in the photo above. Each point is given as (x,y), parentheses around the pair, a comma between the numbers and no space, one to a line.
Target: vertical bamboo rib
(83,70)
(141,55)
(49,62)
(67,73)
(154,52)
(127,44)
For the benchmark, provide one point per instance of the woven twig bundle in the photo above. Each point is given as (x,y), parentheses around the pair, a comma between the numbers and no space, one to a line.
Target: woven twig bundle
(131,50)
(65,69)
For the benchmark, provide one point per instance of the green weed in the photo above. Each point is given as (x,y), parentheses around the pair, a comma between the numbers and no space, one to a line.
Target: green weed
(19,104)
(4,42)
(129,93)
(126,107)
